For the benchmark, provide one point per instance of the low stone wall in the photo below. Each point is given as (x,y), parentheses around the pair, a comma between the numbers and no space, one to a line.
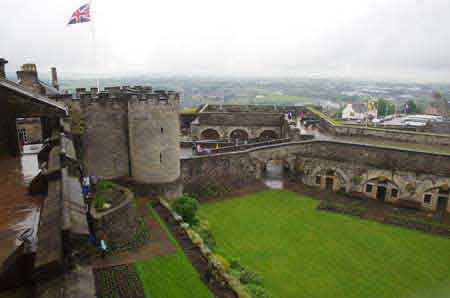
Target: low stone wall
(233,148)
(227,170)
(120,223)
(388,134)
(413,174)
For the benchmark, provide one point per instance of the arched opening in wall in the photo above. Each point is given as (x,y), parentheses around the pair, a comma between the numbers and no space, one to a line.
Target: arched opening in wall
(438,197)
(239,136)
(381,189)
(330,179)
(274,173)
(210,134)
(267,135)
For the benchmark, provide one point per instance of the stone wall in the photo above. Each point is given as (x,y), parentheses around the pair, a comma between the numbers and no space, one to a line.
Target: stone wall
(224,132)
(354,177)
(230,170)
(154,135)
(105,138)
(254,119)
(388,134)
(120,223)
(413,174)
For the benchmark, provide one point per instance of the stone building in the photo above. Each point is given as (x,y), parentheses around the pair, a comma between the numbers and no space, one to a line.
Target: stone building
(242,122)
(29,131)
(132,132)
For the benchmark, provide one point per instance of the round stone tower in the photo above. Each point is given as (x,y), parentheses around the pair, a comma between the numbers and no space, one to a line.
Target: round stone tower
(153,124)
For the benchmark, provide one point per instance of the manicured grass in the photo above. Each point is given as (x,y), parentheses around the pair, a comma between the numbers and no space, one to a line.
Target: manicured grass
(171,276)
(302,252)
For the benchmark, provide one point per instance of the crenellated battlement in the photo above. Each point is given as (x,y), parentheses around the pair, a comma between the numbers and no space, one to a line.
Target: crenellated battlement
(127,94)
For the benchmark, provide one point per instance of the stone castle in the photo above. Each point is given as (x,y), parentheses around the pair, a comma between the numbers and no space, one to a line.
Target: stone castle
(131,132)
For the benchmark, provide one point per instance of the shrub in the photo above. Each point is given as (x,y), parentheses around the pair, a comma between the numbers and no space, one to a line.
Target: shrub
(99,202)
(105,185)
(247,277)
(204,231)
(409,204)
(352,209)
(187,207)
(224,262)
(419,224)
(257,291)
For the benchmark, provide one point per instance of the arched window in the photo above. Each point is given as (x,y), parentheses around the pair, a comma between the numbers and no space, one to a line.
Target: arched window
(239,134)
(210,134)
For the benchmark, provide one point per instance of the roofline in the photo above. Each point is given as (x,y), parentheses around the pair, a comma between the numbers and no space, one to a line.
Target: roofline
(20,89)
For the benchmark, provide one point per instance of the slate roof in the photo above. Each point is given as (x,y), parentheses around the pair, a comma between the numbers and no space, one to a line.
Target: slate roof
(20,90)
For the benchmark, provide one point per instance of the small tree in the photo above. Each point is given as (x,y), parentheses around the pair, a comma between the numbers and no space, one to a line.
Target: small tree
(187,207)
(385,107)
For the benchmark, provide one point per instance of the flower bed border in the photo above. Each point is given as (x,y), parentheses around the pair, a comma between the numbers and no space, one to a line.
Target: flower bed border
(224,280)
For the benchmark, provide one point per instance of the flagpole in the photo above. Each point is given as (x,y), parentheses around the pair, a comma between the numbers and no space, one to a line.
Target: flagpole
(94,45)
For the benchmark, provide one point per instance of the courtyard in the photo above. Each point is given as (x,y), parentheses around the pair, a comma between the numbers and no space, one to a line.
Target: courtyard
(299,251)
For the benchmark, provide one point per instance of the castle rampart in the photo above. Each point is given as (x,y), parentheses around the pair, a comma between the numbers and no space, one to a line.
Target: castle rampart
(131,131)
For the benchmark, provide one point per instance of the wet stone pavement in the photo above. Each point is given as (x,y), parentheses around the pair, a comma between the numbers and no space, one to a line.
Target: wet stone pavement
(20,212)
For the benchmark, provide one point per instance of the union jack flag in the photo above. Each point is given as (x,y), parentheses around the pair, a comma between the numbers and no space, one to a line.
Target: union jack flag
(81,15)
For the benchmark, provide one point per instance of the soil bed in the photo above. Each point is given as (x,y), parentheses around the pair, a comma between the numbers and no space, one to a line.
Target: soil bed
(384,213)
(118,282)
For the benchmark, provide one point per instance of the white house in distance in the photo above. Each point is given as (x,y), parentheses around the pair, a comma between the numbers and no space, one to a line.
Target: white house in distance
(359,111)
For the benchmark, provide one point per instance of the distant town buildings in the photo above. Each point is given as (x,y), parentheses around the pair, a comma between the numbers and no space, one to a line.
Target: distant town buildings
(359,111)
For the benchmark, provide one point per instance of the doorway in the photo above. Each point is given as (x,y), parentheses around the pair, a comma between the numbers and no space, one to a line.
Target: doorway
(329,183)
(441,208)
(381,193)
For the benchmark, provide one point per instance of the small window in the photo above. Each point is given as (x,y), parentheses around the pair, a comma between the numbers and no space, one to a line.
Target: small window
(318,178)
(394,192)
(162,130)
(427,199)
(369,187)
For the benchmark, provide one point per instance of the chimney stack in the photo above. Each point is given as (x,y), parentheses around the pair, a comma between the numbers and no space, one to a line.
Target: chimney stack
(2,68)
(28,77)
(55,83)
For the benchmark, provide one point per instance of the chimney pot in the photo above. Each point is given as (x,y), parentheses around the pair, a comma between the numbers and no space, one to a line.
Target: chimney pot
(55,83)
(2,68)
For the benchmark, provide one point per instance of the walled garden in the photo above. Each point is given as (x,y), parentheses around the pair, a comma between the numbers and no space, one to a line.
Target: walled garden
(291,249)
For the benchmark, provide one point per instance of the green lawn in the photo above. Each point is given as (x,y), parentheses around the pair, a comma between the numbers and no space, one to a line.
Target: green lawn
(171,276)
(302,252)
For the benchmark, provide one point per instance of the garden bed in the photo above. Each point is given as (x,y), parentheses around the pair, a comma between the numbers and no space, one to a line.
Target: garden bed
(195,256)
(118,282)
(357,205)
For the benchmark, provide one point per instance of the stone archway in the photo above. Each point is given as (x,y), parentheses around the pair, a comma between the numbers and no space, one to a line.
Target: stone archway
(239,135)
(330,179)
(381,188)
(438,198)
(210,134)
(268,134)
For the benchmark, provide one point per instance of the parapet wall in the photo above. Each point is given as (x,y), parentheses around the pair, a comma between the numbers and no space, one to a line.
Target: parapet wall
(388,134)
(120,224)
(253,108)
(240,168)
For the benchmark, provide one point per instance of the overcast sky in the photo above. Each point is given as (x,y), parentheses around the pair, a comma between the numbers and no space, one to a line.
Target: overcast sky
(370,39)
